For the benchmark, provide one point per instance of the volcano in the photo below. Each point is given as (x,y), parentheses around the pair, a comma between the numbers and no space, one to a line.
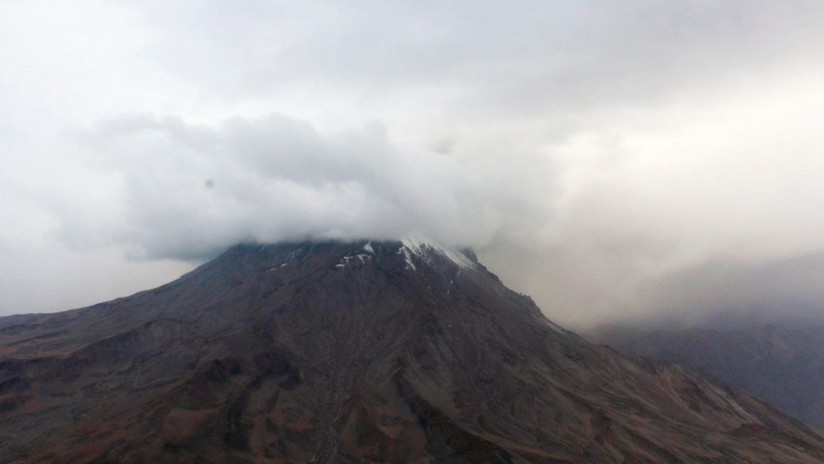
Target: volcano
(351,352)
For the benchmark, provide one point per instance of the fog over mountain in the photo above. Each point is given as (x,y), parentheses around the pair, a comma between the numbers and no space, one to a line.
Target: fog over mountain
(641,161)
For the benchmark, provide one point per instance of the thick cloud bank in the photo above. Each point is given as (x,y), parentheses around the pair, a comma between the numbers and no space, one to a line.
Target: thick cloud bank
(187,191)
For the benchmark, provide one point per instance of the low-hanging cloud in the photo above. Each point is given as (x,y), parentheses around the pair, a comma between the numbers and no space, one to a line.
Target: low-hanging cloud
(187,191)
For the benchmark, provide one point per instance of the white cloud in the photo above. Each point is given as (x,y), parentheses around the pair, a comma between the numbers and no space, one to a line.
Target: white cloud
(187,191)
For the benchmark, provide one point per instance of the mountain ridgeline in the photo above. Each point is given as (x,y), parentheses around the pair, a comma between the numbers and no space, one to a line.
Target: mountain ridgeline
(332,352)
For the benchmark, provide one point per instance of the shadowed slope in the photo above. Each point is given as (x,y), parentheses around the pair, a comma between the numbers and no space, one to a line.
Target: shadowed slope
(782,365)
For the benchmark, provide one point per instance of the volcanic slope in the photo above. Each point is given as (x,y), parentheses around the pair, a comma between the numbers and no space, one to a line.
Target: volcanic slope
(402,352)
(782,365)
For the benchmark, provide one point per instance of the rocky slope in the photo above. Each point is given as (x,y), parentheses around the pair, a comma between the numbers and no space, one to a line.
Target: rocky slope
(357,352)
(782,365)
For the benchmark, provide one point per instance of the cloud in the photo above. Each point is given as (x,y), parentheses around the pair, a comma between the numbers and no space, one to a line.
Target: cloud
(727,292)
(589,151)
(729,179)
(187,191)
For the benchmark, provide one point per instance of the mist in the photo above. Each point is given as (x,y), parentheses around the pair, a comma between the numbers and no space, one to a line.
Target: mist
(649,162)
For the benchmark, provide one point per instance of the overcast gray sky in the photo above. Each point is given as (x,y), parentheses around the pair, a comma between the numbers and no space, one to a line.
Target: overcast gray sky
(612,159)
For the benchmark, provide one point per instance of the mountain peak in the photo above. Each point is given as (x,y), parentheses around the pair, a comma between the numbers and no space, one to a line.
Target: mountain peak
(425,249)
(410,253)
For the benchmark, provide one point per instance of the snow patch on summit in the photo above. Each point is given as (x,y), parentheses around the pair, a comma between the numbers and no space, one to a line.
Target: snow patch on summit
(345,261)
(407,257)
(423,248)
